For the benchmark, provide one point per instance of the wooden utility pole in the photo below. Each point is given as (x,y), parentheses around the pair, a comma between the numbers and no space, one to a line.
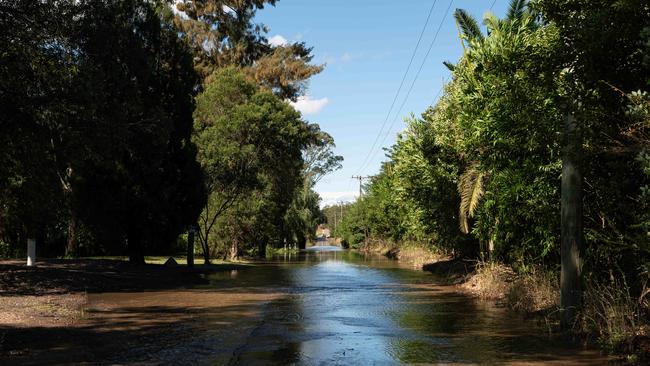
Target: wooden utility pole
(360,179)
(571,235)
(31,252)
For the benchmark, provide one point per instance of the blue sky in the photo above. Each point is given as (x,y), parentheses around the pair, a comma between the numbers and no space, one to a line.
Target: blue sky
(367,46)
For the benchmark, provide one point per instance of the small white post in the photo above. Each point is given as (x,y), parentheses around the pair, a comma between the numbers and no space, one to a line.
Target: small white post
(31,252)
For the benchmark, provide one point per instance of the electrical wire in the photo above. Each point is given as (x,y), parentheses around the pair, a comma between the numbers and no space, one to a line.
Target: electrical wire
(414,79)
(408,68)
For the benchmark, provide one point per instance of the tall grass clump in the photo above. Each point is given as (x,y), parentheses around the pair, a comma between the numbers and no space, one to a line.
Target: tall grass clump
(613,314)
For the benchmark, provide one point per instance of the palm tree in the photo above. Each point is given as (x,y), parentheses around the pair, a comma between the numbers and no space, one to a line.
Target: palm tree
(471,188)
(471,184)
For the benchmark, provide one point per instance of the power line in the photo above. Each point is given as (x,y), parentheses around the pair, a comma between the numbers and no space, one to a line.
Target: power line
(493,2)
(408,68)
(416,76)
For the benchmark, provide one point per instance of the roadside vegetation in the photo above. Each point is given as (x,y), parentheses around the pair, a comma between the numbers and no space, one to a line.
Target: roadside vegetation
(129,127)
(144,129)
(479,174)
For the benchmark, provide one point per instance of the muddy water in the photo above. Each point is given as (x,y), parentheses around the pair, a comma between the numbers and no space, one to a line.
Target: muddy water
(331,307)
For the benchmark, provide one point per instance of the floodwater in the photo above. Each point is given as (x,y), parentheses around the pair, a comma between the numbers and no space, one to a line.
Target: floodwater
(342,308)
(324,306)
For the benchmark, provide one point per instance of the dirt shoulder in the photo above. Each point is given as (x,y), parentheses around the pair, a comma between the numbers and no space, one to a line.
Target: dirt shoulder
(110,312)
(448,270)
(54,292)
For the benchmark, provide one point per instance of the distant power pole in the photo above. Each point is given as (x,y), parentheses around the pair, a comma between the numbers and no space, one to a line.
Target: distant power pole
(360,179)
(341,209)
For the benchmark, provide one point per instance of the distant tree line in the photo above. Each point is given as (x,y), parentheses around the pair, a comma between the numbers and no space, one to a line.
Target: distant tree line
(124,123)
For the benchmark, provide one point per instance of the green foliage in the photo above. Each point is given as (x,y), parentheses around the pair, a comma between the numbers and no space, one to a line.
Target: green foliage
(98,133)
(223,33)
(96,110)
(487,154)
(304,214)
(250,148)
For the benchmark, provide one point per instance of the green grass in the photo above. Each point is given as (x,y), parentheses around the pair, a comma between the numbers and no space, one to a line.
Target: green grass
(270,251)
(162,259)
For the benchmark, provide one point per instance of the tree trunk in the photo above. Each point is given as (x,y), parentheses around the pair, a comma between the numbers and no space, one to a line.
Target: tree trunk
(72,245)
(302,242)
(261,249)
(234,251)
(190,247)
(134,246)
(571,235)
(206,252)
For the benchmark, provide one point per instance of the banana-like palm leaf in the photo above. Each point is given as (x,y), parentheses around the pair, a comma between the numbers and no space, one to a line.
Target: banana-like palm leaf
(471,189)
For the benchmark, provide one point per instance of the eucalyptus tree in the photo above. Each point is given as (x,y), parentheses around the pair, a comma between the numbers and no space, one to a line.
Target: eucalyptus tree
(250,145)
(304,214)
(227,135)
(319,157)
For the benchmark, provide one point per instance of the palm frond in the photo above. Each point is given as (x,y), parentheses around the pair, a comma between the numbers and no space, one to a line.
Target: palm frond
(469,25)
(491,22)
(449,65)
(471,189)
(516,10)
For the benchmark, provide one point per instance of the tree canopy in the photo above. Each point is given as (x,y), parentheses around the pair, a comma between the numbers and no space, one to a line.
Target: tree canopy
(102,149)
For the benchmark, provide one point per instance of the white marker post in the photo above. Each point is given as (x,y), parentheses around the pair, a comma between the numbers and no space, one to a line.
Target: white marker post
(31,252)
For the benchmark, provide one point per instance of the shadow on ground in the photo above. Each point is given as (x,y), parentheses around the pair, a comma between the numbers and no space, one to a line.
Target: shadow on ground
(92,275)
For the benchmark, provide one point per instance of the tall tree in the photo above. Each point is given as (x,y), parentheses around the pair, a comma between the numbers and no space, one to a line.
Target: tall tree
(596,117)
(304,214)
(250,145)
(106,111)
(223,33)
(32,76)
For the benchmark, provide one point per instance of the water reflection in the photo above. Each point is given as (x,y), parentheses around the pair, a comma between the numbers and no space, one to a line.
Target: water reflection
(346,308)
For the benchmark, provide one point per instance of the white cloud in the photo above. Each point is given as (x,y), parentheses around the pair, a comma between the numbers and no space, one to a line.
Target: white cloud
(307,105)
(329,60)
(333,198)
(341,60)
(278,40)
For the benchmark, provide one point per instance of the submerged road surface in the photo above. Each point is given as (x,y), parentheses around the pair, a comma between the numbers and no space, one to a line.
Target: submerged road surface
(346,309)
(321,307)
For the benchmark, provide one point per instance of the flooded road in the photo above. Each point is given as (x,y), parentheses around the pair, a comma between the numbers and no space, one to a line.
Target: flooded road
(342,308)
(321,307)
